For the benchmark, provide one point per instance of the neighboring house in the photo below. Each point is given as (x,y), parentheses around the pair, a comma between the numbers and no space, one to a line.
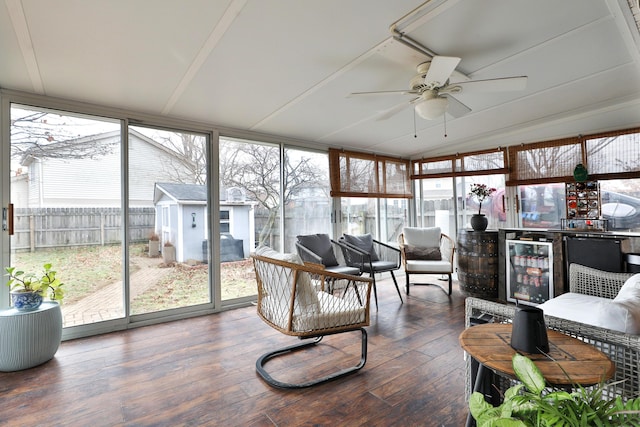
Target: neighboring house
(48,186)
(181,219)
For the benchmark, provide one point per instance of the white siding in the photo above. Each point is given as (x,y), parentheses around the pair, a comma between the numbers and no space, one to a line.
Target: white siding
(95,182)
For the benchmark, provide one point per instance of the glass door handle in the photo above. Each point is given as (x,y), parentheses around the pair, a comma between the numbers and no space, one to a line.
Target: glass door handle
(7,219)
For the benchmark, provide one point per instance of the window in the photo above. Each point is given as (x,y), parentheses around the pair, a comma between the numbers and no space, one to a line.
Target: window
(365,175)
(307,205)
(224,221)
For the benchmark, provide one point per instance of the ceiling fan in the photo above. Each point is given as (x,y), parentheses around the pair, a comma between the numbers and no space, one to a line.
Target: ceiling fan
(433,91)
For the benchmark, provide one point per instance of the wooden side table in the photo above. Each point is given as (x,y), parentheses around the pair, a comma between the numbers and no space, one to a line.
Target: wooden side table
(29,338)
(574,361)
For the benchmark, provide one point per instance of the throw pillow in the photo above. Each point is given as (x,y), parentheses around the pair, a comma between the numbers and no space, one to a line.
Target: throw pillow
(424,237)
(319,244)
(630,290)
(423,254)
(363,242)
(628,299)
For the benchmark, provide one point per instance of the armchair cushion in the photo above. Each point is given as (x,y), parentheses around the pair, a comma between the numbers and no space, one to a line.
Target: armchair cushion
(595,311)
(422,253)
(422,237)
(417,266)
(363,242)
(320,244)
(306,296)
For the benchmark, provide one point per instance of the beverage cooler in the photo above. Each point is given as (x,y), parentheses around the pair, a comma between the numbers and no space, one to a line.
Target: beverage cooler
(529,271)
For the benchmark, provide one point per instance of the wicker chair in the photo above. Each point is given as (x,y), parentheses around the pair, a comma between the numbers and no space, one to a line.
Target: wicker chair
(292,299)
(623,349)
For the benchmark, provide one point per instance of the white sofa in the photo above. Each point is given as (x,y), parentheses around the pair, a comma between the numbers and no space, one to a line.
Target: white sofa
(599,298)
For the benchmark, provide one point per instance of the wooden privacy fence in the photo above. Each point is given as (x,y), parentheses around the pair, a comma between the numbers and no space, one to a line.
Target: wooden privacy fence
(56,227)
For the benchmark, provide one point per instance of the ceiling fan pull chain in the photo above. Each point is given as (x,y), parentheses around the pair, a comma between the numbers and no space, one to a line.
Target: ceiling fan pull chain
(444,116)
(415,133)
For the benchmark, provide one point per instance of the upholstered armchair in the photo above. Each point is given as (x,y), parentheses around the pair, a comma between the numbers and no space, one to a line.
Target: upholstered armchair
(293,299)
(321,249)
(426,251)
(371,256)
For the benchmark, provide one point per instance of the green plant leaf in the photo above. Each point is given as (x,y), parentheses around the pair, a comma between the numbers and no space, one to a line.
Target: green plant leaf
(528,373)
(477,404)
(559,395)
(508,423)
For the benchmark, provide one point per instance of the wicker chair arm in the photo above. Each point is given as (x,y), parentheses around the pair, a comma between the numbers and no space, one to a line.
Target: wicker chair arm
(315,269)
(447,247)
(402,247)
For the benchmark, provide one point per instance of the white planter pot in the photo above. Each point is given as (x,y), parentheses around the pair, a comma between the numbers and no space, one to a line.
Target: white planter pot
(154,248)
(169,254)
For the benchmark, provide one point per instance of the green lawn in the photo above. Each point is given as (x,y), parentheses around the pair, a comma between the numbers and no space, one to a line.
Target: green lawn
(86,269)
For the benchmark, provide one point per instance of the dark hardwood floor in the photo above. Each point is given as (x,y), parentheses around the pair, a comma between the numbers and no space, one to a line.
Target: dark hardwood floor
(201,372)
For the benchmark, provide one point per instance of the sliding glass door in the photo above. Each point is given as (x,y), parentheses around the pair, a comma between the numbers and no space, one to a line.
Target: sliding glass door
(168,214)
(67,187)
(65,184)
(250,188)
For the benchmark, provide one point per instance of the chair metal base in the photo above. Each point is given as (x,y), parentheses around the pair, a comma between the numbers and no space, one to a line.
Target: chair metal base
(285,350)
(429,284)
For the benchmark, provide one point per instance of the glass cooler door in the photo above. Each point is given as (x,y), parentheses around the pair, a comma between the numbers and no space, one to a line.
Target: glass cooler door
(529,271)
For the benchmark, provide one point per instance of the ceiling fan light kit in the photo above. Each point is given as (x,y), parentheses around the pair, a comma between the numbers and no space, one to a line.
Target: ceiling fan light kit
(432,108)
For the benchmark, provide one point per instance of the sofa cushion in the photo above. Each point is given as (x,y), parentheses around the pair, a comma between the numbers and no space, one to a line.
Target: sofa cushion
(591,310)
(422,237)
(363,242)
(320,244)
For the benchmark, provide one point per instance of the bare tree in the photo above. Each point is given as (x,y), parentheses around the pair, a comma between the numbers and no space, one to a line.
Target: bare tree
(45,134)
(188,165)
(256,169)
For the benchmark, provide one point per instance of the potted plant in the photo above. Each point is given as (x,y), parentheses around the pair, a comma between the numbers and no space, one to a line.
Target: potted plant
(168,253)
(28,289)
(154,245)
(526,404)
(481,192)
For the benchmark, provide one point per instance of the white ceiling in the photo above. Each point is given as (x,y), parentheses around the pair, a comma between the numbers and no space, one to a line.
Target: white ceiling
(286,67)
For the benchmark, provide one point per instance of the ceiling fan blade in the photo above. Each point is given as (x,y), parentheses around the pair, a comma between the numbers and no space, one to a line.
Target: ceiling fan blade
(385,92)
(395,110)
(440,70)
(493,85)
(456,108)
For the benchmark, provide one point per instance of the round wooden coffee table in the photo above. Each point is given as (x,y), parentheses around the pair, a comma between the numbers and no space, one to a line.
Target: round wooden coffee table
(571,361)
